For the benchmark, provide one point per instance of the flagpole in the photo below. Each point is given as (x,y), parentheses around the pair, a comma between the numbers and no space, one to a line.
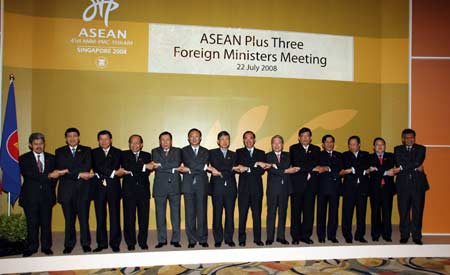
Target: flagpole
(11,80)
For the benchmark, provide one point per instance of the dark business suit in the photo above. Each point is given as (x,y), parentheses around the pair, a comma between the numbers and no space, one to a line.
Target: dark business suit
(381,193)
(411,187)
(328,195)
(74,192)
(304,189)
(136,196)
(104,165)
(224,192)
(37,198)
(195,190)
(250,191)
(278,190)
(355,191)
(167,187)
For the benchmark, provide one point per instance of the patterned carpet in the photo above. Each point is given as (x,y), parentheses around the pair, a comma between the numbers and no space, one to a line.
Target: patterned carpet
(404,266)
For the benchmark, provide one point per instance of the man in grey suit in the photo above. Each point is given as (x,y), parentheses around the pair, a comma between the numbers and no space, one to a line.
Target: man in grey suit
(166,187)
(195,189)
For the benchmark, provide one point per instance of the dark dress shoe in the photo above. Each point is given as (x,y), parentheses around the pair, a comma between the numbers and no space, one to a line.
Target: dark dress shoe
(144,246)
(115,249)
(47,251)
(307,240)
(334,240)
(159,245)
(241,243)
(362,240)
(268,242)
(191,245)
(321,240)
(259,243)
(418,241)
(28,253)
(131,247)
(204,244)
(67,250)
(375,239)
(231,244)
(282,241)
(176,244)
(218,244)
(389,240)
(86,248)
(348,240)
(100,248)
(403,241)
(295,242)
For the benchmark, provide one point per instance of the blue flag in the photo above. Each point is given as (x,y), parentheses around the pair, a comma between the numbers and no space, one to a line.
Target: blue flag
(9,151)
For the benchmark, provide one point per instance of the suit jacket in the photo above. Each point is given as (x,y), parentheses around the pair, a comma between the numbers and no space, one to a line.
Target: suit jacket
(306,161)
(330,182)
(136,186)
(82,162)
(167,181)
(227,183)
(104,167)
(250,182)
(278,183)
(409,161)
(376,176)
(197,166)
(36,187)
(359,181)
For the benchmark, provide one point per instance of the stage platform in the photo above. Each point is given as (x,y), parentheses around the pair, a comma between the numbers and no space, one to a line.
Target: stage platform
(434,246)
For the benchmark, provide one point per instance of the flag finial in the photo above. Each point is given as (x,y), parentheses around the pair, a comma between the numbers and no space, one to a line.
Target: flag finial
(12,77)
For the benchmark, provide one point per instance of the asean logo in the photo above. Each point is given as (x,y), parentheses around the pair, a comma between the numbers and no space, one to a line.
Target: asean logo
(12,146)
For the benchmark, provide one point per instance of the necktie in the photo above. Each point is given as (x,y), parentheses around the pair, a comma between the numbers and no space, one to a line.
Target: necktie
(166,152)
(224,153)
(408,148)
(106,152)
(39,164)
(380,158)
(136,156)
(73,152)
(279,157)
(195,151)
(250,152)
(331,154)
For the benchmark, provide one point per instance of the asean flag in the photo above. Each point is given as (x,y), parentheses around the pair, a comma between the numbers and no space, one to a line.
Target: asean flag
(9,151)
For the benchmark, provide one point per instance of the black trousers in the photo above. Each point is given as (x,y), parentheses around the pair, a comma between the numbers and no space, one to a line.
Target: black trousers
(276,202)
(410,207)
(246,201)
(349,203)
(161,223)
(112,199)
(381,214)
(196,217)
(302,214)
(72,209)
(131,206)
(220,203)
(328,202)
(39,218)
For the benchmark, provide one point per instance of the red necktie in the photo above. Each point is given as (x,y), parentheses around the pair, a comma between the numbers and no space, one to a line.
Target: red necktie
(380,158)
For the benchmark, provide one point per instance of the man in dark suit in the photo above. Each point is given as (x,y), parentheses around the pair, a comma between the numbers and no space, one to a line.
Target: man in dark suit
(106,160)
(412,185)
(355,190)
(167,188)
(305,156)
(136,192)
(381,190)
(37,196)
(74,162)
(251,163)
(195,184)
(330,166)
(223,189)
(278,189)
